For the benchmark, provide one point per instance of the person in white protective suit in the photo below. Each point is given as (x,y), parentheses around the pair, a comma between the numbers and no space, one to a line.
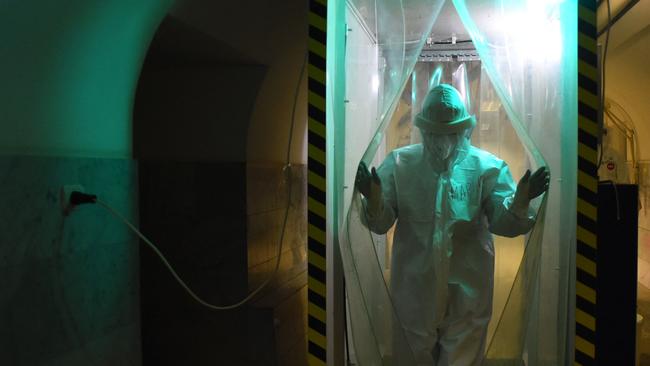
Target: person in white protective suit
(448,198)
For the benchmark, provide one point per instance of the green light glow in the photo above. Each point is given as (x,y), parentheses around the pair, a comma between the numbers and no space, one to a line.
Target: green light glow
(413,88)
(69,74)
(435,78)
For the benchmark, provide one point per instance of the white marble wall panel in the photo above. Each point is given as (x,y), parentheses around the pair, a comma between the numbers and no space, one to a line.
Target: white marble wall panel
(70,287)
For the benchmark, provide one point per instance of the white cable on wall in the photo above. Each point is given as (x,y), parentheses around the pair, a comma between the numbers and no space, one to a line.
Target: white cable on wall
(179,279)
(171,269)
(289,179)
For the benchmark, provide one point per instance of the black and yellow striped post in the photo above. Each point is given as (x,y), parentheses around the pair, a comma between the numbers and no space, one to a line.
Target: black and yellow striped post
(317,214)
(588,131)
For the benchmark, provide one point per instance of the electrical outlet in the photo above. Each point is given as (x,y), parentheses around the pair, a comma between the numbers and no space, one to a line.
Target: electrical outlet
(66,191)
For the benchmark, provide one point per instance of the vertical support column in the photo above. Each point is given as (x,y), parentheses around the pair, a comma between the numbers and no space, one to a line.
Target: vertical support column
(588,107)
(316,207)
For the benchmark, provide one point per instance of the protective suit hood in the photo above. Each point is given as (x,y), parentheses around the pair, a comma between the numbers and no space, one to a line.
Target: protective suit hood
(444,112)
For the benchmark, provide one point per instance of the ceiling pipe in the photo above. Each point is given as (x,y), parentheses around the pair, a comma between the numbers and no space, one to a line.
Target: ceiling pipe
(619,9)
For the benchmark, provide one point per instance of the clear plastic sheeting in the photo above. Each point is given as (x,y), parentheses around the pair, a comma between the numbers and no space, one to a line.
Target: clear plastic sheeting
(528,52)
(523,98)
(508,342)
(384,41)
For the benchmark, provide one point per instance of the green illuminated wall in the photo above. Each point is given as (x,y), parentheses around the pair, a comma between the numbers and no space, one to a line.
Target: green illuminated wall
(68,71)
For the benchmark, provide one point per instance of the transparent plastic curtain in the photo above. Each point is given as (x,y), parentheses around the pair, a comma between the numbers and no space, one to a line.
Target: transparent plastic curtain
(528,52)
(384,41)
(527,98)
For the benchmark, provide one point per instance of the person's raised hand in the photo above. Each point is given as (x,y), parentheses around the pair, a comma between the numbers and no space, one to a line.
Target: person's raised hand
(369,184)
(367,181)
(538,183)
(531,186)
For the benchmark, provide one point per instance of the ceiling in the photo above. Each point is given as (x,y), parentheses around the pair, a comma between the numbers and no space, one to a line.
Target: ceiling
(260,30)
(177,43)
(633,25)
(449,22)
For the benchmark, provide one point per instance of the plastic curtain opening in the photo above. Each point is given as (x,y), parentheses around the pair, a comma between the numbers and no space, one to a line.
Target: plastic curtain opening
(522,92)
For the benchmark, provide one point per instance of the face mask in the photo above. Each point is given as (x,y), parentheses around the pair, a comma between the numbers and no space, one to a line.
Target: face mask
(441,146)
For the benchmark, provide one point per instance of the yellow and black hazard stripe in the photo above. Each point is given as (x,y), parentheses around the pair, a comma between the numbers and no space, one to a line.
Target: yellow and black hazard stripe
(317,217)
(587,239)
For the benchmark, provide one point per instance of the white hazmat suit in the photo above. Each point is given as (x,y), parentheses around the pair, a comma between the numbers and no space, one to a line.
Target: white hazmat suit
(448,198)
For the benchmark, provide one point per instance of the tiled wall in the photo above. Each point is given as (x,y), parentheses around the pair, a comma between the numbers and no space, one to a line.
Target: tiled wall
(196,213)
(69,287)
(287,293)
